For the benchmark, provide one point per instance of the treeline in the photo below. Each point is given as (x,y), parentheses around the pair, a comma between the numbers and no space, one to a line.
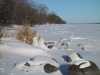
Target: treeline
(22,11)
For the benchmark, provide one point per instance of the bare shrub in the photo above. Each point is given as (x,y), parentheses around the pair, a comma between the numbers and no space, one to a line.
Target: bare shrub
(25,34)
(1,34)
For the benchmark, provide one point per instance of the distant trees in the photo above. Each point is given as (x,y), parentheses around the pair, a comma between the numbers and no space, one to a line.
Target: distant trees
(6,11)
(21,11)
(53,18)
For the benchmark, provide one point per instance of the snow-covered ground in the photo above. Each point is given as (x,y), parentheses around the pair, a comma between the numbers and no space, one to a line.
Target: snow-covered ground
(13,52)
(87,35)
(15,55)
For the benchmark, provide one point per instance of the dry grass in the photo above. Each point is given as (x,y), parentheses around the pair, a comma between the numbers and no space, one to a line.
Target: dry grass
(25,34)
(1,34)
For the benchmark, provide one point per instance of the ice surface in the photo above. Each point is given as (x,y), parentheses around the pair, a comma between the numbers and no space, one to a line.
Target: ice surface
(88,35)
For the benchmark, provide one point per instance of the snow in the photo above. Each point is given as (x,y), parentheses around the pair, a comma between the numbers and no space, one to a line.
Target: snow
(14,52)
(22,49)
(37,64)
(88,35)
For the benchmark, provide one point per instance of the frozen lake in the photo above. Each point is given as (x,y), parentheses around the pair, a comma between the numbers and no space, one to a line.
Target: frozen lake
(86,34)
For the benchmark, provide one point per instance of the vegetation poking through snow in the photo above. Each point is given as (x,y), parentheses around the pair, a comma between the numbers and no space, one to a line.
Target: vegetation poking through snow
(1,34)
(25,34)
